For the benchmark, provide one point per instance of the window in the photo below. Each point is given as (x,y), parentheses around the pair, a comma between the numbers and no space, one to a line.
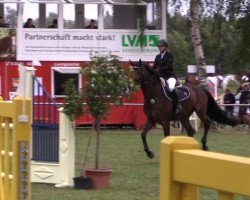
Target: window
(79,15)
(60,75)
(31,11)
(9,19)
(154,15)
(69,15)
(51,15)
(124,14)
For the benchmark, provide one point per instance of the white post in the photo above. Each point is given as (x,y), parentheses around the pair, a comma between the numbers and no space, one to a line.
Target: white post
(66,150)
(30,71)
(164,18)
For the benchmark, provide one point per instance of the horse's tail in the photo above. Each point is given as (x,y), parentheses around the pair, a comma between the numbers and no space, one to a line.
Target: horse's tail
(216,114)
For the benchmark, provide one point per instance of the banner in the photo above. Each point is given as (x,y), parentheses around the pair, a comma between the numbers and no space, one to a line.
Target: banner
(77,45)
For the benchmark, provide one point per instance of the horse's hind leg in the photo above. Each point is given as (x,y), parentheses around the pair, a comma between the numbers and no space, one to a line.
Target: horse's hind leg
(206,123)
(148,126)
(186,124)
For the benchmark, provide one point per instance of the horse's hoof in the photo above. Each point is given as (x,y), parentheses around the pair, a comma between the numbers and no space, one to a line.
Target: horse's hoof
(150,154)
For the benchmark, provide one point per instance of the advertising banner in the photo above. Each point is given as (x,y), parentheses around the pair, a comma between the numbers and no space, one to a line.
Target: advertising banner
(78,45)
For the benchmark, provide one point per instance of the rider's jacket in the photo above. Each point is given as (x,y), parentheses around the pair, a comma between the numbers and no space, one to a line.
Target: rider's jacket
(164,63)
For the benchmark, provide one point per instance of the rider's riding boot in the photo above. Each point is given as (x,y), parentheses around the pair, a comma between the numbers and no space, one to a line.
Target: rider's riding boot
(176,104)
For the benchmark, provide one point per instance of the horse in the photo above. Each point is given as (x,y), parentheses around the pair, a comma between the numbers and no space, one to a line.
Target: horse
(158,106)
(223,81)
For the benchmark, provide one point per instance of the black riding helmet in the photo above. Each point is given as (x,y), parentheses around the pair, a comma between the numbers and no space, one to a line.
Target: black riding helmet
(163,42)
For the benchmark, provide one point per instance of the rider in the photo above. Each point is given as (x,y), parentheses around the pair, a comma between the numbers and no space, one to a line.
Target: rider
(164,66)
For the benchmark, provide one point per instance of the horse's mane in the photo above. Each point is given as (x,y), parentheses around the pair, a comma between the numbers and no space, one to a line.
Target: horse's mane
(150,70)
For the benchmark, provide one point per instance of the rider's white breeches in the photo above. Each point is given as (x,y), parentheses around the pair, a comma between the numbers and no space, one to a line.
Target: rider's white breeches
(171,83)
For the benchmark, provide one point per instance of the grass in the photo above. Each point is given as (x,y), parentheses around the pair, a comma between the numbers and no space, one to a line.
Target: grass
(134,176)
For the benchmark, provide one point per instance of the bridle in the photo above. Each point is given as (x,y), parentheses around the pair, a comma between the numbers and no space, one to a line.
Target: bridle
(145,82)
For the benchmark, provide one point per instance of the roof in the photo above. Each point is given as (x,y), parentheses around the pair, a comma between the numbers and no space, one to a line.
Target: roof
(11,1)
(69,1)
(126,2)
(113,2)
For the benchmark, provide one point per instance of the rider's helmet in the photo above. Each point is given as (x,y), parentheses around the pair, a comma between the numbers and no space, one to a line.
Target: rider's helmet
(163,42)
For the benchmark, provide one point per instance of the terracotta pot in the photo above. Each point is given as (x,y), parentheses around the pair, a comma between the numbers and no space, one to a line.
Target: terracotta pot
(100,177)
(82,183)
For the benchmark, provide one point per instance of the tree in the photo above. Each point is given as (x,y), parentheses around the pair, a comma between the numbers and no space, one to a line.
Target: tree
(196,40)
(221,28)
(106,82)
(179,46)
(242,57)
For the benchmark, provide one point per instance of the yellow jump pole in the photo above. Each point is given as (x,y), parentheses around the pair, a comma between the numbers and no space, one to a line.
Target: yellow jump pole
(170,189)
(21,148)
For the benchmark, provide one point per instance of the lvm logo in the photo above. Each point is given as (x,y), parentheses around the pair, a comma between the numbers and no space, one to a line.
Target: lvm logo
(134,40)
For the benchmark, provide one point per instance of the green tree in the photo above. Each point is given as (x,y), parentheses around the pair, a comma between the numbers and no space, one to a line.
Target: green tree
(242,55)
(106,82)
(183,56)
(72,105)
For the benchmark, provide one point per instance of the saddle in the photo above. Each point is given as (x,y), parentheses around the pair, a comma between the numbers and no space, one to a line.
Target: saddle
(182,92)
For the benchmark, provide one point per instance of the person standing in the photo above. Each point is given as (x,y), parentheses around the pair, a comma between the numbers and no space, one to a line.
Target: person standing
(92,24)
(229,99)
(29,23)
(54,24)
(2,23)
(163,65)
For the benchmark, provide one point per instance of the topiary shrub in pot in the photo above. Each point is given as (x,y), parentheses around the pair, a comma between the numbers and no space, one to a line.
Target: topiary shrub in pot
(106,82)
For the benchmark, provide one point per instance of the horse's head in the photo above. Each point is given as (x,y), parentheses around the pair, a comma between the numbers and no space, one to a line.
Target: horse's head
(142,72)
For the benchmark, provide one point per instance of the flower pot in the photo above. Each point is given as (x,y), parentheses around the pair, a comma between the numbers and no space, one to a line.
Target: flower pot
(82,183)
(100,177)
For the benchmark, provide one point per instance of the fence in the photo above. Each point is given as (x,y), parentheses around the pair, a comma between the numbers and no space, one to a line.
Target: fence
(183,168)
(15,119)
(60,173)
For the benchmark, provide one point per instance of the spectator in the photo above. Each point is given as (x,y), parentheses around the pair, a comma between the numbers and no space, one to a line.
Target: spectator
(92,24)
(244,79)
(229,99)
(54,24)
(2,24)
(244,112)
(244,92)
(29,23)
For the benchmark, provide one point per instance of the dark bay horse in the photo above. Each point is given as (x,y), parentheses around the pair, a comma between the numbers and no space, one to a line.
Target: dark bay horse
(158,107)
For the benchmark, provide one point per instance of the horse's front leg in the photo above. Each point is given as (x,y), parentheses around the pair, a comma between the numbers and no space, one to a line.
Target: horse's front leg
(148,126)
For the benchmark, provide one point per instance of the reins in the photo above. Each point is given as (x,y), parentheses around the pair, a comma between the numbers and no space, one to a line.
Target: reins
(145,82)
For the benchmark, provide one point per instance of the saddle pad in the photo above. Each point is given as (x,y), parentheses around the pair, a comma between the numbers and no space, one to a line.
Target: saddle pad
(182,92)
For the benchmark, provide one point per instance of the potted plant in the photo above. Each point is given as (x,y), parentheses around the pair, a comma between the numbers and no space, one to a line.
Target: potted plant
(106,82)
(73,108)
